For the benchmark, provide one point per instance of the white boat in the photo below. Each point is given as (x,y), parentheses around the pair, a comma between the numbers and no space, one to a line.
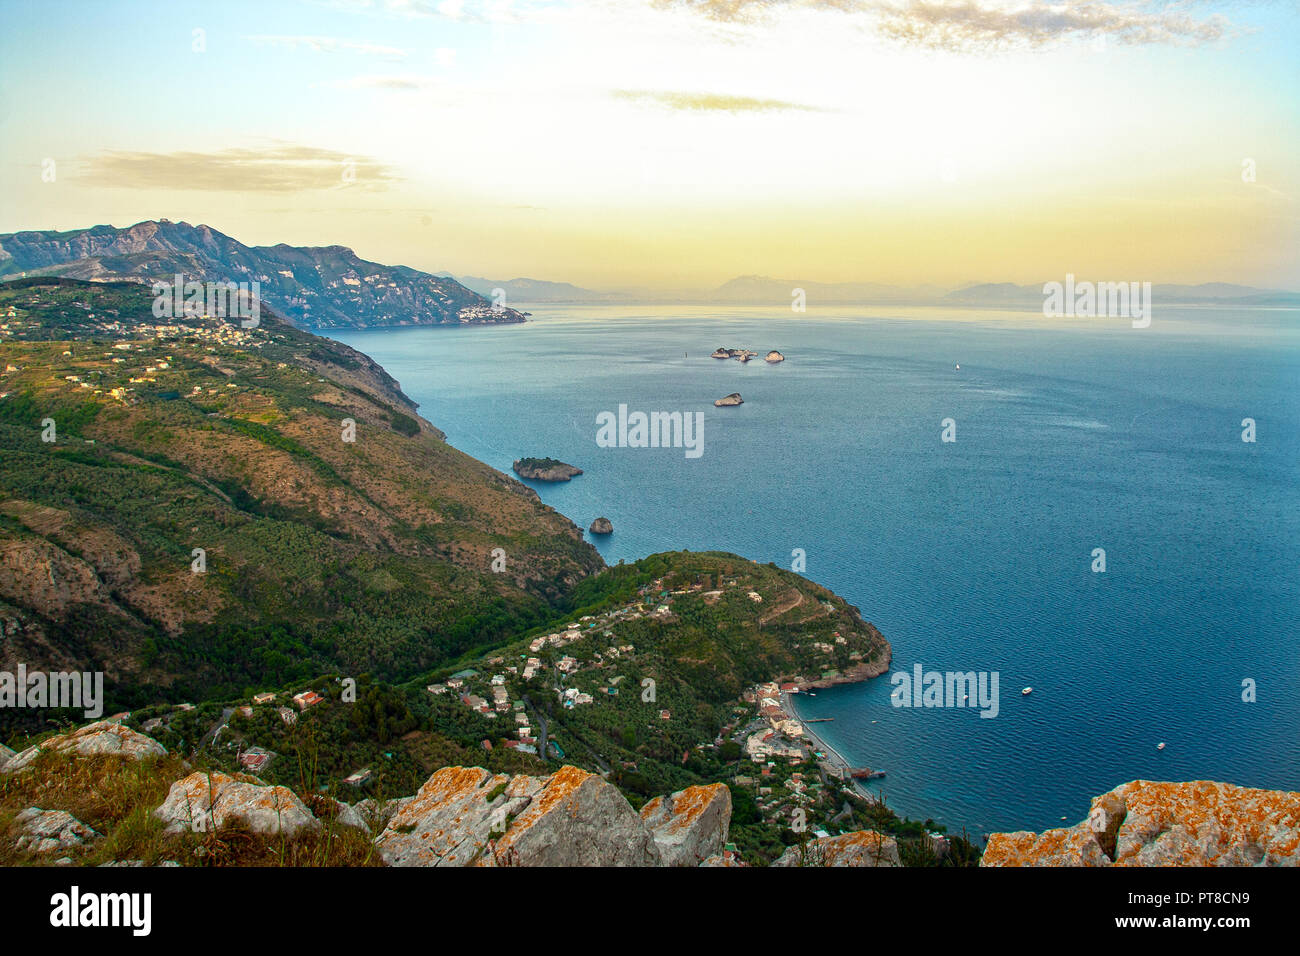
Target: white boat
(1160,746)
(1027,691)
(959,368)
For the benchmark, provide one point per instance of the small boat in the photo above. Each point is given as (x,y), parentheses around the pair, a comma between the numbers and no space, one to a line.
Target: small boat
(959,368)
(1026,692)
(1160,746)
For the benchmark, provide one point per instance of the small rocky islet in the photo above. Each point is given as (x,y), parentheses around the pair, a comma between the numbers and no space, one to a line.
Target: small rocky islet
(744,355)
(545,469)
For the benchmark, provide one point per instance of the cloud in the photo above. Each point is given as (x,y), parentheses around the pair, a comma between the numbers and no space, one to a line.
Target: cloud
(710,102)
(399,82)
(321,44)
(278,168)
(973,25)
(989,25)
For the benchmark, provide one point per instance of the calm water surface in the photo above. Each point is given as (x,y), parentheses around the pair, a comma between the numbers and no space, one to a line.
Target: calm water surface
(973,555)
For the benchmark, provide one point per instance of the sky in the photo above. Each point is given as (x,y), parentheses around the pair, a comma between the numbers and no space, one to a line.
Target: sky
(670,144)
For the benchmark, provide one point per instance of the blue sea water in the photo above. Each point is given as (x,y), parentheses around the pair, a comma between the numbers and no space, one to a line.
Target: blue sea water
(969,556)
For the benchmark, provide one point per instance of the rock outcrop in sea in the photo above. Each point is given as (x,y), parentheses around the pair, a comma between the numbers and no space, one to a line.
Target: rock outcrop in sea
(545,469)
(602,526)
(774,356)
(1144,823)
(732,399)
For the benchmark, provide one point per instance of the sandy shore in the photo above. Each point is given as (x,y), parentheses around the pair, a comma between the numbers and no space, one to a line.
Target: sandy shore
(833,757)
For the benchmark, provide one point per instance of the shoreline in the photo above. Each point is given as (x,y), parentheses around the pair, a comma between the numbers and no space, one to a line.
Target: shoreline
(833,757)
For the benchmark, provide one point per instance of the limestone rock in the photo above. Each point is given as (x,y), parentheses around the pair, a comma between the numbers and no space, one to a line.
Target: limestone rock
(774,356)
(202,802)
(602,526)
(5,755)
(101,737)
(45,831)
(691,825)
(860,848)
(1145,823)
(346,815)
(466,816)
(723,860)
(732,399)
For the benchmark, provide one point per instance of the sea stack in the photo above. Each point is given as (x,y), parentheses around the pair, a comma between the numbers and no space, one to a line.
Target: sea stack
(601,526)
(774,356)
(544,469)
(732,399)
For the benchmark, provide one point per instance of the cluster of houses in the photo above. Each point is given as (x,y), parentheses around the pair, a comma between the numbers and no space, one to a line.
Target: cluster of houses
(782,737)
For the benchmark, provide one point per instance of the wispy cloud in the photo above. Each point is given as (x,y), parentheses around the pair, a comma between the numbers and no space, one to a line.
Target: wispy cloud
(277,168)
(710,102)
(388,81)
(966,25)
(984,25)
(321,44)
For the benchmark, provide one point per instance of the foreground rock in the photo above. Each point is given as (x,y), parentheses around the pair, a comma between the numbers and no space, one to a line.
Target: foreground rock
(203,802)
(48,831)
(860,848)
(545,469)
(774,356)
(100,738)
(689,826)
(1143,823)
(732,399)
(601,526)
(468,816)
(5,755)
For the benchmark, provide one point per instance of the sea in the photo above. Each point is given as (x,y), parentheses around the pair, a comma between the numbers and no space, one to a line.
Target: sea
(1079,445)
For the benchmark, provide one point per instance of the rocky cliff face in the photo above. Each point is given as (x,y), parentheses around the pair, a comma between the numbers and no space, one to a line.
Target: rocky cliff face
(1144,823)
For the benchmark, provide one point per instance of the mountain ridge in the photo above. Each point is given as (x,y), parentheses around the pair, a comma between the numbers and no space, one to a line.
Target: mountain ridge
(327,287)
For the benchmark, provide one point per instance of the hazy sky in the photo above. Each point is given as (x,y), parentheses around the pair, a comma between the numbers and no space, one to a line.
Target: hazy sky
(676,143)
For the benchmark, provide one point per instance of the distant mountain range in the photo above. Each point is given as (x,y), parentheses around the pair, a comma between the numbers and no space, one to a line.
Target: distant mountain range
(763,290)
(1008,293)
(313,287)
(536,290)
